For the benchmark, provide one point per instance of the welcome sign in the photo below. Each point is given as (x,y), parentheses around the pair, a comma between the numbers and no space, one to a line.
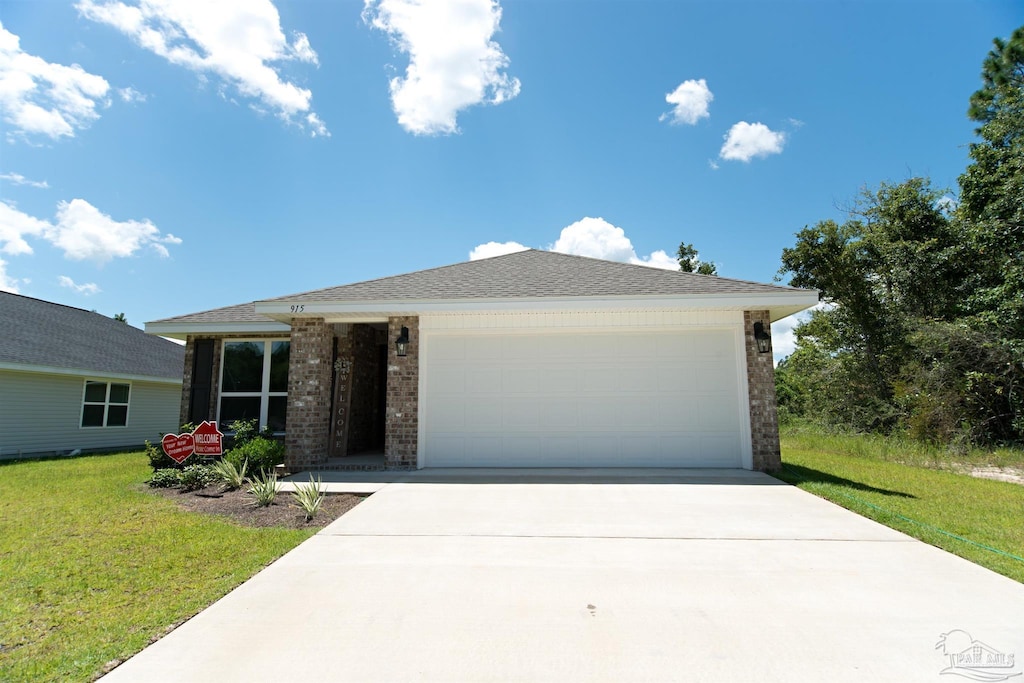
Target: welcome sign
(206,439)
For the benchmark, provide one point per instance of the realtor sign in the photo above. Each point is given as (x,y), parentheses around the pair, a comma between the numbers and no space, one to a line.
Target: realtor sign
(206,439)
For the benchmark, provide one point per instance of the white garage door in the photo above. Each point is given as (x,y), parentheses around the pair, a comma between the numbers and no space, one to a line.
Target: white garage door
(651,399)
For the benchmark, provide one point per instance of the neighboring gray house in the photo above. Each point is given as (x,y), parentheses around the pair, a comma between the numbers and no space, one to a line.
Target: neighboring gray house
(73,380)
(532,359)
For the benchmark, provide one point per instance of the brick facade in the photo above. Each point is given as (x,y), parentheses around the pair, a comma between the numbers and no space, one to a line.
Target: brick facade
(764,421)
(401,427)
(309,393)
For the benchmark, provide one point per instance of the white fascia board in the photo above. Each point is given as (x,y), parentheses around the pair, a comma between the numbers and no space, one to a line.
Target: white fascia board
(91,374)
(181,330)
(785,303)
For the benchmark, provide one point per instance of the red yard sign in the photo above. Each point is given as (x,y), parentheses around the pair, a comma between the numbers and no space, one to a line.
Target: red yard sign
(178,446)
(209,440)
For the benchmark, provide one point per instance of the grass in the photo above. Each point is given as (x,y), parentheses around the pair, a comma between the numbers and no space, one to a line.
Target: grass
(916,491)
(92,567)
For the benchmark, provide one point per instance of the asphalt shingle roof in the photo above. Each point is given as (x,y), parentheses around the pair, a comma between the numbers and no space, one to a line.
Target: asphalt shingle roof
(522,275)
(41,333)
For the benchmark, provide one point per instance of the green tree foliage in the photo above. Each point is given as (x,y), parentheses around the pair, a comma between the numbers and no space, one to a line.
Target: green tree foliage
(923,330)
(689,261)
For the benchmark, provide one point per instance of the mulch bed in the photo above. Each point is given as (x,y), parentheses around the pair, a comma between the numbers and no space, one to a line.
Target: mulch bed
(237,506)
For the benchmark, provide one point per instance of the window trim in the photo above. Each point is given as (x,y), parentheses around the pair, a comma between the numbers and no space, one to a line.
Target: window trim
(106,403)
(265,394)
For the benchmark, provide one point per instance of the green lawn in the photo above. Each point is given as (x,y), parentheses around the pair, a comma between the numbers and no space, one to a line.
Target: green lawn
(916,493)
(92,566)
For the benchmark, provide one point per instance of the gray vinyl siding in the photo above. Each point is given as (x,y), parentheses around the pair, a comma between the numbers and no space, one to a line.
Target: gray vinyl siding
(42,413)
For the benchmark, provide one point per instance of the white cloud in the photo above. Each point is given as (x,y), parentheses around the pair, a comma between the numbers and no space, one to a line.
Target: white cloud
(238,40)
(18,179)
(495,249)
(745,141)
(597,238)
(85,233)
(15,226)
(41,98)
(7,283)
(130,95)
(453,63)
(690,103)
(87,289)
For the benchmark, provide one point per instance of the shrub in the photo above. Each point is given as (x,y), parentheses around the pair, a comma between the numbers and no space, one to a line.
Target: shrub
(229,474)
(263,454)
(165,478)
(196,477)
(245,431)
(158,460)
(309,497)
(265,487)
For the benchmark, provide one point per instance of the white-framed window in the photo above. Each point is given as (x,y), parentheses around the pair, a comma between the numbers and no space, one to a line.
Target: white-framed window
(254,382)
(105,404)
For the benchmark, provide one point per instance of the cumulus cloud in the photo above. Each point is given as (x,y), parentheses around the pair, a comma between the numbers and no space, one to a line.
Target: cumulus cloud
(15,226)
(130,95)
(746,141)
(84,233)
(453,62)
(18,179)
(7,283)
(597,238)
(41,98)
(240,41)
(690,103)
(87,289)
(495,249)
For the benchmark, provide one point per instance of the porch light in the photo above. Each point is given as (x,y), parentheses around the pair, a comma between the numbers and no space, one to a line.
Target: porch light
(402,343)
(761,337)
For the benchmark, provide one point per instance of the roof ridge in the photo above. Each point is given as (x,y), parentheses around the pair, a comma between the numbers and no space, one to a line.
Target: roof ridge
(51,303)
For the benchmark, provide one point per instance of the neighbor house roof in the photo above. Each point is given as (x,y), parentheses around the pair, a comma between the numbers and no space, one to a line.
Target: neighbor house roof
(530,277)
(46,337)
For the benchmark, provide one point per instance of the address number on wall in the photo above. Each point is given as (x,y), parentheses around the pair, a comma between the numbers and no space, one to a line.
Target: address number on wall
(298,309)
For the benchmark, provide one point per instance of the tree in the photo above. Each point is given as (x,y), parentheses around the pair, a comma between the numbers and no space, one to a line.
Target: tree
(120,317)
(689,261)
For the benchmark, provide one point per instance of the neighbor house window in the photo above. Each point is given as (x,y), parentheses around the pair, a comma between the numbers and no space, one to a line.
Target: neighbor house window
(254,383)
(105,404)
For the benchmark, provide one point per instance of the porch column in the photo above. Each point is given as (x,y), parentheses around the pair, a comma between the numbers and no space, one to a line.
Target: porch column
(309,393)
(764,419)
(401,421)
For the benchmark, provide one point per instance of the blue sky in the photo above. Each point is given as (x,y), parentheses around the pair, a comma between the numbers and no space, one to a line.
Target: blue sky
(164,157)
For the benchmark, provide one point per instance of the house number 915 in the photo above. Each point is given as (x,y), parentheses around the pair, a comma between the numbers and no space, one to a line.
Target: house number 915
(298,309)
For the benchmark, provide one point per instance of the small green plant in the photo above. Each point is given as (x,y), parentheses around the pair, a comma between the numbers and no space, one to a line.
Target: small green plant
(265,487)
(309,497)
(165,478)
(229,474)
(195,477)
(158,460)
(263,454)
(245,431)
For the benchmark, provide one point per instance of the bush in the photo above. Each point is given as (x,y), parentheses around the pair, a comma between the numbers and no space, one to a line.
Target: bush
(265,487)
(159,460)
(245,431)
(166,478)
(231,476)
(196,477)
(263,454)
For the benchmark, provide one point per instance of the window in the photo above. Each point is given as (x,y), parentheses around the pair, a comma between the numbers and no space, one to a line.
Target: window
(254,383)
(105,404)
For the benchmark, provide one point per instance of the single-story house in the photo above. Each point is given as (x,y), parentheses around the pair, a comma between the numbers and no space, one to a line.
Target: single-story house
(75,380)
(531,359)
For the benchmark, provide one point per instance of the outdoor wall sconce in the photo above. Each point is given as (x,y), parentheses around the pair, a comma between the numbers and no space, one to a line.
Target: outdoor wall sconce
(402,343)
(760,336)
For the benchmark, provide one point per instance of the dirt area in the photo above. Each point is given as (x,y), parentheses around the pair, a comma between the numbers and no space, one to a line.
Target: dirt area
(237,505)
(1014,476)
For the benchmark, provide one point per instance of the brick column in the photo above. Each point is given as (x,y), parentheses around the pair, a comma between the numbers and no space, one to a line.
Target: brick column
(401,422)
(764,420)
(186,379)
(309,393)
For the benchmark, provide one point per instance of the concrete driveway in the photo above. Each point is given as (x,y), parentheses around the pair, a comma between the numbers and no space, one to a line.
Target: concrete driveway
(600,575)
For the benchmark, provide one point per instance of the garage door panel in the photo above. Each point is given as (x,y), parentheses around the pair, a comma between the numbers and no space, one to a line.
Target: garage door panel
(572,400)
